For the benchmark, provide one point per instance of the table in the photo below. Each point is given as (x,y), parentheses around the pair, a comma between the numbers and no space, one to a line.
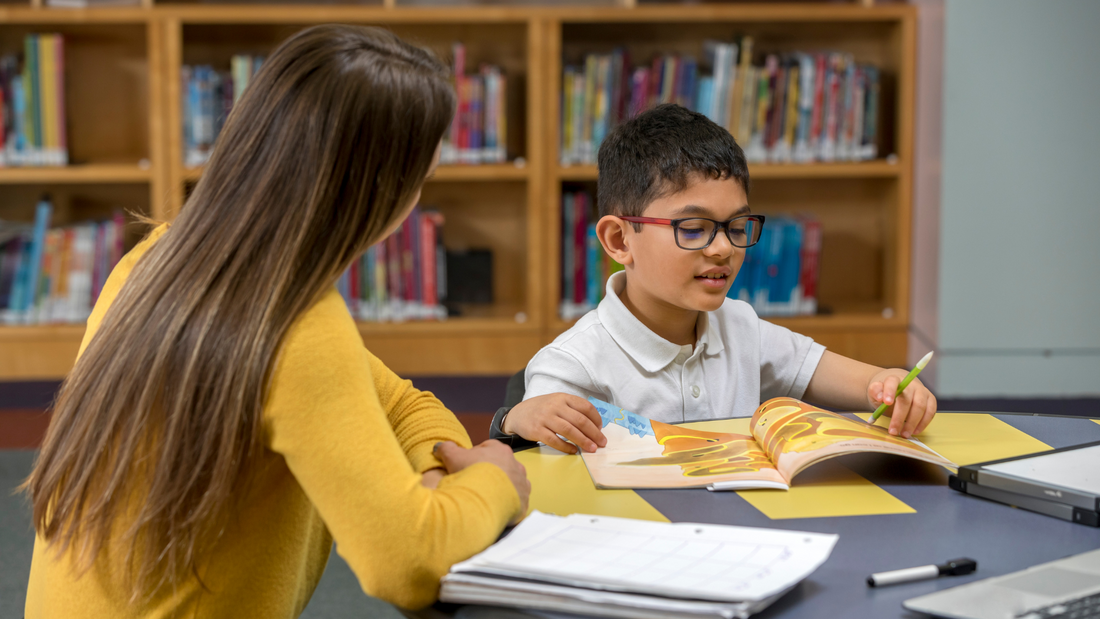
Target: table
(890,512)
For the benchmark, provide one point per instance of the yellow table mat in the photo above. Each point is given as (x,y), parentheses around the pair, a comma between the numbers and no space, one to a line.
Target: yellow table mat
(826,489)
(560,484)
(966,438)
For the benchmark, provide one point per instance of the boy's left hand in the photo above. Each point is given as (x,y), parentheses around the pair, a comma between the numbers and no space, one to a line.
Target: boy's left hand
(911,411)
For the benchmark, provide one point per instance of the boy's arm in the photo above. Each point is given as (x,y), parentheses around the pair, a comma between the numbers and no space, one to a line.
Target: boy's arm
(555,405)
(847,384)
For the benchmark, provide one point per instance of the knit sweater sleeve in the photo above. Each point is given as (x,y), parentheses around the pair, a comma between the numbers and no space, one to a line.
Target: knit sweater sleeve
(355,437)
(418,418)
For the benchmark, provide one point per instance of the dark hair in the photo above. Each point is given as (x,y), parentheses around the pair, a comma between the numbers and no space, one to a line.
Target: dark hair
(326,148)
(656,153)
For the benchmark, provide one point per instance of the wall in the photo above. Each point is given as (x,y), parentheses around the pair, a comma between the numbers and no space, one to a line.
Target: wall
(1019,259)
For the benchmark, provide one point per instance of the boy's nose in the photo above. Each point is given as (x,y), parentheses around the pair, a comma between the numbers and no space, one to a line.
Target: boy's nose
(720,246)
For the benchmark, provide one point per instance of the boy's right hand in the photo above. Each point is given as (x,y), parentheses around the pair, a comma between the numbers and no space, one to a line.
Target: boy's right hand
(544,417)
(456,458)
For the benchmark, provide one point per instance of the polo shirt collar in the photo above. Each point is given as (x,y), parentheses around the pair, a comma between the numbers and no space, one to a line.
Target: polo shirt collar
(648,349)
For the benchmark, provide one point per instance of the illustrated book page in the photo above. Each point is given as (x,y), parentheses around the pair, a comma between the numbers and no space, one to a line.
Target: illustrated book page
(787,436)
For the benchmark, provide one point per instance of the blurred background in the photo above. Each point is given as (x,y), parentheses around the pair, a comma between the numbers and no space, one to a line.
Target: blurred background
(929,171)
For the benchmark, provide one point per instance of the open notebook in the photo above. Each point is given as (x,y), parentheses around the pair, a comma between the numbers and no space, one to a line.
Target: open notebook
(616,567)
(787,436)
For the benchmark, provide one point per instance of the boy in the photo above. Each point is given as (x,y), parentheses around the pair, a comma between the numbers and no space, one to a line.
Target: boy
(665,342)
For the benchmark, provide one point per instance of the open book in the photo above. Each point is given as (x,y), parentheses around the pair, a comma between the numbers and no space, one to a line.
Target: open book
(787,436)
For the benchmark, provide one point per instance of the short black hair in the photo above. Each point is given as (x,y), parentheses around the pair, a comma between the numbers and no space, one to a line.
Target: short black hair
(655,154)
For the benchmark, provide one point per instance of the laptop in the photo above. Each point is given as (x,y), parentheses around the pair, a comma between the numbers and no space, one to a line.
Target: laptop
(1064,483)
(1056,589)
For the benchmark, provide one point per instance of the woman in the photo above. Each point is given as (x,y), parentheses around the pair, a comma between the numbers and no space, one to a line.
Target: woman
(224,424)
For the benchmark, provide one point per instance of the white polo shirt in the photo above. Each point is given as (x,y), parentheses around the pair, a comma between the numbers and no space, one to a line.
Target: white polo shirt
(738,362)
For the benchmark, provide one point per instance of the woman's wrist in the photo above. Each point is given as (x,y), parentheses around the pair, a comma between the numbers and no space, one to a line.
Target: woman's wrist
(430,478)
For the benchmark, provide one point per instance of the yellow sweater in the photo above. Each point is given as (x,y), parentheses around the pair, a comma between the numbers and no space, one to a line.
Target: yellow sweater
(346,441)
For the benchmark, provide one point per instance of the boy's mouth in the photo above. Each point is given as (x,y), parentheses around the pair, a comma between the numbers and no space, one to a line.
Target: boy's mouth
(715,280)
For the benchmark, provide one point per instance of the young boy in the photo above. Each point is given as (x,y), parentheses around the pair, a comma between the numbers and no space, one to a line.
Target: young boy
(665,342)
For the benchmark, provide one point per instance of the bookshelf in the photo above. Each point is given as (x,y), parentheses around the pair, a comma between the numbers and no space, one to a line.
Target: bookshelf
(126,150)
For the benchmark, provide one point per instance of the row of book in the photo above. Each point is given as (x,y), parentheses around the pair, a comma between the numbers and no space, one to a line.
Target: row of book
(208,96)
(32,104)
(54,275)
(797,107)
(585,266)
(780,273)
(479,132)
(403,277)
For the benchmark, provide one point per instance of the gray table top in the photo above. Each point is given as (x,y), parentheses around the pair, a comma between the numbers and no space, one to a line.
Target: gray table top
(946,525)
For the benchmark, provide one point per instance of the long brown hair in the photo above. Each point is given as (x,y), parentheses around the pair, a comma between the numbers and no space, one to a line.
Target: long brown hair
(156,427)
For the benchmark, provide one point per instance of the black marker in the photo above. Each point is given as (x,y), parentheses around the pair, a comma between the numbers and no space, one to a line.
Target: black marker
(957,567)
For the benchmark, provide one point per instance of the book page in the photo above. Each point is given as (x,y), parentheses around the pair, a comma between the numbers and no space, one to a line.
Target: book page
(795,435)
(687,561)
(641,453)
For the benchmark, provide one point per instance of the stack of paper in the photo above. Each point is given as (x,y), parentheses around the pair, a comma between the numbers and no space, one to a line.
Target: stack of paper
(616,567)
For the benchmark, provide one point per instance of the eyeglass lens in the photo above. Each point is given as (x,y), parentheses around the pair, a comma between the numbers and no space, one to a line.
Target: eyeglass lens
(698,233)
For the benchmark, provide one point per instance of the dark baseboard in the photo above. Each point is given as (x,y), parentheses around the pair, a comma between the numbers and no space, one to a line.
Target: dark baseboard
(37,395)
(1082,407)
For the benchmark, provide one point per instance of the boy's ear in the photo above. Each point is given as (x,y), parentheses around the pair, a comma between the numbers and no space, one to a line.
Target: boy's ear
(613,232)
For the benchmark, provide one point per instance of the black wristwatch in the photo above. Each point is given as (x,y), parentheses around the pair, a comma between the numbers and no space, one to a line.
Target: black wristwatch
(496,431)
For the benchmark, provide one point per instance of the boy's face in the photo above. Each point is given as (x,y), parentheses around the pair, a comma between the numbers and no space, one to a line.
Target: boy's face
(695,280)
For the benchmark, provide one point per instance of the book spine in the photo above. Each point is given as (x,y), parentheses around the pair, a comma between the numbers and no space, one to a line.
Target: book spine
(790,289)
(811,255)
(832,113)
(21,284)
(588,140)
(802,152)
(790,123)
(59,295)
(408,266)
(13,254)
(19,107)
(580,216)
(42,214)
(870,128)
(99,269)
(858,97)
(427,260)
(818,114)
(567,214)
(46,81)
(30,86)
(594,264)
(59,76)
(119,238)
(417,265)
(567,116)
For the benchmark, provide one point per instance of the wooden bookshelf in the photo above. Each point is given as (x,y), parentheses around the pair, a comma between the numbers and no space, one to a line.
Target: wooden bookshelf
(126,145)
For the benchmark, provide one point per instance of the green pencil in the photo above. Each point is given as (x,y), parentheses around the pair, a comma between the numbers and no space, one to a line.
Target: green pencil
(901,387)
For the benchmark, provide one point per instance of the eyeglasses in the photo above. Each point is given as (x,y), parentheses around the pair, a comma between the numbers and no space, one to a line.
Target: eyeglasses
(699,232)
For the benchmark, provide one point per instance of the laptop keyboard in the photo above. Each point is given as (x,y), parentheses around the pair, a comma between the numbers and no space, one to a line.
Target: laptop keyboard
(1087,607)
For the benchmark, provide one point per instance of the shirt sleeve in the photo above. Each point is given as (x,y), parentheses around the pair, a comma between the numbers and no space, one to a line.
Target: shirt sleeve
(787,361)
(419,420)
(553,370)
(354,441)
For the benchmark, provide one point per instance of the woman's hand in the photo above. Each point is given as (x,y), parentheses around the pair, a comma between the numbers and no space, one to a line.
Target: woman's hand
(456,458)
